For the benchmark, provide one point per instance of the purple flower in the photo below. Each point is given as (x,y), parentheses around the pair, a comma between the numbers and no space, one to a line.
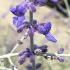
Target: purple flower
(45,29)
(61,59)
(21,9)
(28,54)
(48,35)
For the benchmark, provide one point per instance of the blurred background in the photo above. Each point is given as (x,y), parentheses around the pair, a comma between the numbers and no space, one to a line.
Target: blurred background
(58,14)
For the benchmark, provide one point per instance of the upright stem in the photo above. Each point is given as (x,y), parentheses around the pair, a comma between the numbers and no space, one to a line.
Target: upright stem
(31,40)
(67,7)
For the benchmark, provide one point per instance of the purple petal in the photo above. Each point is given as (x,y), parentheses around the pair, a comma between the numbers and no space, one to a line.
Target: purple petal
(50,37)
(44,28)
(19,10)
(23,56)
(18,21)
(61,59)
(13,10)
(41,29)
(47,26)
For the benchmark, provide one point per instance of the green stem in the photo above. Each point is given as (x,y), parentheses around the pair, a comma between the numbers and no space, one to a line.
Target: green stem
(31,40)
(67,6)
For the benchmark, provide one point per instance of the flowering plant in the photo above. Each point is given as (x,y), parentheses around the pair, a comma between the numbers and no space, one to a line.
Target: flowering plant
(32,26)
